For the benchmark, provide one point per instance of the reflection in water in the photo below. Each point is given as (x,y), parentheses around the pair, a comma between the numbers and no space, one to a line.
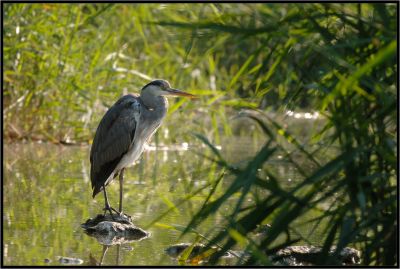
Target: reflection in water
(47,196)
(94,262)
(105,248)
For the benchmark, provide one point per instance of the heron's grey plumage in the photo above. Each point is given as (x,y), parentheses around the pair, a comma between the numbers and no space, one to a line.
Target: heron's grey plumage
(124,131)
(117,135)
(112,140)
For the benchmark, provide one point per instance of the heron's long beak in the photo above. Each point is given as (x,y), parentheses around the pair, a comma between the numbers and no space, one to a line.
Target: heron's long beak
(175,92)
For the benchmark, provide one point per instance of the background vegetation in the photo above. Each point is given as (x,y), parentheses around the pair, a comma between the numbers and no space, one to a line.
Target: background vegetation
(64,64)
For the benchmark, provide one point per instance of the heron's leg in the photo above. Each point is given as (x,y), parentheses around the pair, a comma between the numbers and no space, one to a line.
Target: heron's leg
(107,204)
(121,188)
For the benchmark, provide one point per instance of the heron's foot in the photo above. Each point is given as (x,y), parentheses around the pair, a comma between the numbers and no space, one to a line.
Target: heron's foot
(122,214)
(110,210)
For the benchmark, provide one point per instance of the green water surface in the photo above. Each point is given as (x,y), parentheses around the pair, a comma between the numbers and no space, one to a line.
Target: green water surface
(47,196)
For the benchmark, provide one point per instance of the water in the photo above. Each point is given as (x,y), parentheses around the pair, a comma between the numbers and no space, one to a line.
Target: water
(47,196)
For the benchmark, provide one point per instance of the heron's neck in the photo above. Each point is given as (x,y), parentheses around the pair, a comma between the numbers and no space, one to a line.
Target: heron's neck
(155,103)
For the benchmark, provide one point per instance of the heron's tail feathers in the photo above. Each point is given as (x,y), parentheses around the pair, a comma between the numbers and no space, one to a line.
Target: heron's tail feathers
(100,175)
(96,190)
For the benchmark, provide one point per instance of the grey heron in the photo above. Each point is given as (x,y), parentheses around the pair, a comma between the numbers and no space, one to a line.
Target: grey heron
(123,133)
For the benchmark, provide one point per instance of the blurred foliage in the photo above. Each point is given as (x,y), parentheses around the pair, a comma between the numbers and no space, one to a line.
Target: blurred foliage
(341,59)
(65,64)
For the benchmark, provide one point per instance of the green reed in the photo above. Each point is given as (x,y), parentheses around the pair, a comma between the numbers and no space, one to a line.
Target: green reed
(341,61)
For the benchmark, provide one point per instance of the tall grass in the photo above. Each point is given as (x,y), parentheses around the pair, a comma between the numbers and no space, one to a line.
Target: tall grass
(65,64)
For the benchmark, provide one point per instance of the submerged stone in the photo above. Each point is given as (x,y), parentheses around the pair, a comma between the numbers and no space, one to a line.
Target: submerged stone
(68,260)
(288,256)
(111,230)
(310,255)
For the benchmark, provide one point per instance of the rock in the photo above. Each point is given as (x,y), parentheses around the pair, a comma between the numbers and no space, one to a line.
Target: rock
(289,256)
(309,255)
(68,260)
(111,230)
(99,218)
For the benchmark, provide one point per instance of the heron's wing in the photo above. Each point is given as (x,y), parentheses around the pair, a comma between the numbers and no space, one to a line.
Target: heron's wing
(113,139)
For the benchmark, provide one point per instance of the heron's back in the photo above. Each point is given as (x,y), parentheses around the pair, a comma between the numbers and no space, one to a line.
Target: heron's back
(112,140)
(122,135)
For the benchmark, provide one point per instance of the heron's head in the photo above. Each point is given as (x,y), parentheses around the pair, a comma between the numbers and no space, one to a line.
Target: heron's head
(161,87)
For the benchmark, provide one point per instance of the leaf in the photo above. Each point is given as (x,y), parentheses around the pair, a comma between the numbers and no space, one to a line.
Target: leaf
(187,251)
(278,60)
(382,56)
(169,203)
(211,146)
(240,72)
